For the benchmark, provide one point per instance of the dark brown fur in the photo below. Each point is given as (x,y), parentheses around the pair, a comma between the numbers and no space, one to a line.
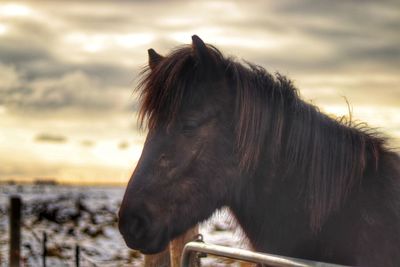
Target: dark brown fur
(300,183)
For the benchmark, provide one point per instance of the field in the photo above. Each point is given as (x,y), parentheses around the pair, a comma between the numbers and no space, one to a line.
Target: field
(86,216)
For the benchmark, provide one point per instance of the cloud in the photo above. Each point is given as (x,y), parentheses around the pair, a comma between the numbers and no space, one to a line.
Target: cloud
(86,56)
(103,45)
(75,90)
(50,138)
(9,77)
(24,43)
(123,145)
(87,143)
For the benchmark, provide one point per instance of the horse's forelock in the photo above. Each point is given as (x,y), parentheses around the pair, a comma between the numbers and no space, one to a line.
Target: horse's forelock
(162,88)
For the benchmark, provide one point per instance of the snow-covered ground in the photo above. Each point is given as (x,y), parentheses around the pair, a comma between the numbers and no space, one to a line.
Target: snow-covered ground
(86,216)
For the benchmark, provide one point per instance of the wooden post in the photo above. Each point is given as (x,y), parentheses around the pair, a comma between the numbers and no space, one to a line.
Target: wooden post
(171,256)
(44,248)
(176,247)
(157,260)
(15,231)
(77,255)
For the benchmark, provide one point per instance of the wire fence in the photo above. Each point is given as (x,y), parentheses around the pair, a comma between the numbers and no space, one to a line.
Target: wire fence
(45,250)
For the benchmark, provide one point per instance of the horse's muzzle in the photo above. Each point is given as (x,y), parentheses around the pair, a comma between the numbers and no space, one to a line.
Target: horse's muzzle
(140,232)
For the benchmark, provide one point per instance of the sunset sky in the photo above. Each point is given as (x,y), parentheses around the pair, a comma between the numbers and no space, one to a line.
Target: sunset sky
(68,70)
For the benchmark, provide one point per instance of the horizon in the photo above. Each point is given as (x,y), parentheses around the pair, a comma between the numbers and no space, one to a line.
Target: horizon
(68,182)
(69,69)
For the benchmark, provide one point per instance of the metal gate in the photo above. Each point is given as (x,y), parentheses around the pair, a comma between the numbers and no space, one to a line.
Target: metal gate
(199,247)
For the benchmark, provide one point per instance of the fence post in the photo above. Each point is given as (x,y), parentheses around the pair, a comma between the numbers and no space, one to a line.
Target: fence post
(44,248)
(176,247)
(15,231)
(157,260)
(170,257)
(77,255)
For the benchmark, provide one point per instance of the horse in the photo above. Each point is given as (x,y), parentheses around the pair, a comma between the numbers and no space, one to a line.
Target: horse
(226,133)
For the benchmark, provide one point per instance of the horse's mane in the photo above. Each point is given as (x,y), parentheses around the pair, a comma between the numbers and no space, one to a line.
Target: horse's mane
(330,155)
(272,122)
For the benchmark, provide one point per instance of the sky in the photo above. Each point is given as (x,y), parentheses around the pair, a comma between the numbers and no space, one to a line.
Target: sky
(68,70)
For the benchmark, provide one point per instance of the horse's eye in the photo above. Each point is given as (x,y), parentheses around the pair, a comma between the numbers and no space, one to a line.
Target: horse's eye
(189,127)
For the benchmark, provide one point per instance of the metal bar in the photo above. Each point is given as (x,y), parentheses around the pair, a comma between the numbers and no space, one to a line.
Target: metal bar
(246,255)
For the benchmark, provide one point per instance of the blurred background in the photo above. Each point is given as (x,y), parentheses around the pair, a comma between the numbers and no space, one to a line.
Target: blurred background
(68,70)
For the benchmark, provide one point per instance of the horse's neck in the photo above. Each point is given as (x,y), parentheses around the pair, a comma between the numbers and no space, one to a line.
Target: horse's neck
(272,216)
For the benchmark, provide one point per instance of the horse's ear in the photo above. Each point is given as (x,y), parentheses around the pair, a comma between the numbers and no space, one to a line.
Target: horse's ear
(199,48)
(154,58)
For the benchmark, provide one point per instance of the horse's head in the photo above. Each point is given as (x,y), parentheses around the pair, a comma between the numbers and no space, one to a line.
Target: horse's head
(188,164)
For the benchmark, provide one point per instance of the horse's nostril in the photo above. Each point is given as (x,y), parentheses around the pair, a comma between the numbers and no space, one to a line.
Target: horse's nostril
(134,225)
(137,228)
(131,226)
